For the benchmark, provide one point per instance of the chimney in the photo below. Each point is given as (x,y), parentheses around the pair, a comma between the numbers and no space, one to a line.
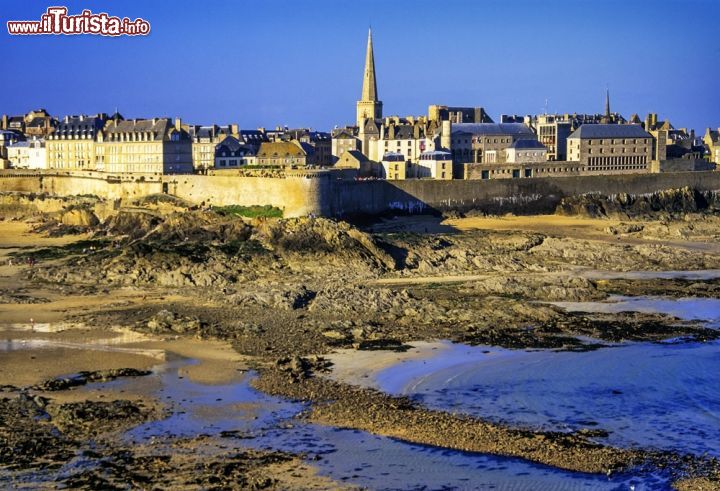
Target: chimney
(177,124)
(234,129)
(4,122)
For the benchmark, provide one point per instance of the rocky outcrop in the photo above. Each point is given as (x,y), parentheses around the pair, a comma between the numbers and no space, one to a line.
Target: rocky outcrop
(624,206)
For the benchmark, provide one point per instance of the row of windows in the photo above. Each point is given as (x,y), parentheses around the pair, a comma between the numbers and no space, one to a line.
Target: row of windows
(628,160)
(624,150)
(624,141)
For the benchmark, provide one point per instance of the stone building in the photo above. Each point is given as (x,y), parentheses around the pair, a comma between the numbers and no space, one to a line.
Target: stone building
(407,136)
(458,114)
(39,124)
(253,138)
(486,142)
(30,154)
(712,143)
(393,166)
(204,141)
(611,148)
(145,146)
(344,140)
(525,151)
(74,143)
(230,153)
(317,144)
(281,154)
(436,164)
(552,131)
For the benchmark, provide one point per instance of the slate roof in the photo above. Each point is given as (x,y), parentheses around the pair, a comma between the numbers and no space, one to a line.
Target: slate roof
(524,143)
(592,131)
(78,127)
(253,136)
(160,128)
(512,129)
(39,122)
(393,157)
(232,148)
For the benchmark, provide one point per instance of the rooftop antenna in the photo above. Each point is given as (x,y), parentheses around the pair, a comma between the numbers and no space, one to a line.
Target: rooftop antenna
(546,106)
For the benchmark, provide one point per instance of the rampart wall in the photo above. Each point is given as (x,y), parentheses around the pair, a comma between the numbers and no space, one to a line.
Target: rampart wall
(522,196)
(322,193)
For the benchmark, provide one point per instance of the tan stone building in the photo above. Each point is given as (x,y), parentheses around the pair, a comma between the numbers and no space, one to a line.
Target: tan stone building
(458,114)
(486,142)
(407,136)
(436,164)
(204,141)
(344,140)
(230,153)
(611,148)
(525,151)
(30,154)
(281,154)
(712,143)
(393,166)
(74,143)
(154,146)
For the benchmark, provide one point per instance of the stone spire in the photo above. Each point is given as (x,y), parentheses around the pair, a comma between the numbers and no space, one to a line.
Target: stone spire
(369,88)
(607,103)
(368,107)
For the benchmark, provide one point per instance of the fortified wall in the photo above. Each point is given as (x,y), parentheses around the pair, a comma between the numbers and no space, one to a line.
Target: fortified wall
(520,196)
(323,193)
(296,195)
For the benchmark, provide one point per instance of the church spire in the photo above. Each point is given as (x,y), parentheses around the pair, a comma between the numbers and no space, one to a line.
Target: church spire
(368,107)
(607,103)
(369,89)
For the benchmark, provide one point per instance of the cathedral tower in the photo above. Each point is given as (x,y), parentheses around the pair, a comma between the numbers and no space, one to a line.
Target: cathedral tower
(369,106)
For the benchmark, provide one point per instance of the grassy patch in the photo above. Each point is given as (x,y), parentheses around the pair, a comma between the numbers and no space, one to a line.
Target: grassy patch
(48,253)
(256,211)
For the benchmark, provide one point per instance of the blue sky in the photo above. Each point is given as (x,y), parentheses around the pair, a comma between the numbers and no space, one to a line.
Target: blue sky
(300,63)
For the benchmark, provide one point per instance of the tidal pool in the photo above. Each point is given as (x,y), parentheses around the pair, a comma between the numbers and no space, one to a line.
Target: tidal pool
(350,456)
(646,395)
(700,309)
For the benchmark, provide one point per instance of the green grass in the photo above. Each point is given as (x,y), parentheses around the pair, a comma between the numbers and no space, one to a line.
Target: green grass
(256,211)
(49,253)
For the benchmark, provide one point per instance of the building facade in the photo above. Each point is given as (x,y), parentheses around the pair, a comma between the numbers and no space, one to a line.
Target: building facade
(616,148)
(230,153)
(486,142)
(393,167)
(281,154)
(525,151)
(408,136)
(458,114)
(435,164)
(74,143)
(154,146)
(30,154)
(204,141)
(712,143)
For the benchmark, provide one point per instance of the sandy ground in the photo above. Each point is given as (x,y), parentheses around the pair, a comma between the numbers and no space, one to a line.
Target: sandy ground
(37,343)
(360,367)
(569,226)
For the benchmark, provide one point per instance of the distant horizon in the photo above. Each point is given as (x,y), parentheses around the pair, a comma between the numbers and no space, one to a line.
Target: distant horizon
(300,64)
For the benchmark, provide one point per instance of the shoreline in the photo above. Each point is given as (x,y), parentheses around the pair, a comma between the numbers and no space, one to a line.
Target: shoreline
(278,296)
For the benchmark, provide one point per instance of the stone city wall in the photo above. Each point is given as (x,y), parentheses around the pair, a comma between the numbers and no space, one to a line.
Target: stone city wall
(522,196)
(321,193)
